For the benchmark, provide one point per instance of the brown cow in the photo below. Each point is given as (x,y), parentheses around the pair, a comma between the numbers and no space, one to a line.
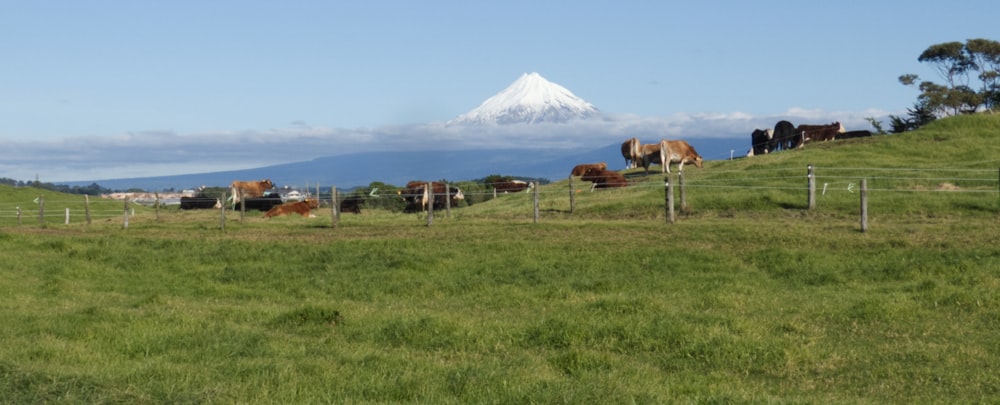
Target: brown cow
(579,169)
(648,154)
(631,152)
(510,186)
(416,196)
(299,207)
(250,189)
(818,133)
(604,178)
(679,152)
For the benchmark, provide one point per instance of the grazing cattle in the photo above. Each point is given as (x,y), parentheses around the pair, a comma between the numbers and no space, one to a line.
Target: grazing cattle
(631,152)
(648,154)
(199,202)
(250,189)
(854,134)
(605,178)
(679,152)
(579,169)
(299,207)
(510,186)
(760,142)
(416,195)
(352,204)
(819,133)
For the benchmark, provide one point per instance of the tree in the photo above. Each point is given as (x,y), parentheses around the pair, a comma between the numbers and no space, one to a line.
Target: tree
(960,66)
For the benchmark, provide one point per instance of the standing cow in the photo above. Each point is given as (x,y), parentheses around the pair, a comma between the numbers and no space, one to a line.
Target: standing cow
(631,152)
(250,189)
(784,137)
(417,196)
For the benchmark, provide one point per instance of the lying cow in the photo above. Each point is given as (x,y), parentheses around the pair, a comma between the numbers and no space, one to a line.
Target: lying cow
(604,178)
(200,201)
(352,204)
(299,207)
(510,186)
(579,169)
(820,133)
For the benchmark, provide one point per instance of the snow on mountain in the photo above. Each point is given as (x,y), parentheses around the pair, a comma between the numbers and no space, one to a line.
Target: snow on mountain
(529,100)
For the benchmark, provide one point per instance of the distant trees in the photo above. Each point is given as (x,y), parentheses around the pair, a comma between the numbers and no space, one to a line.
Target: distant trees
(93,189)
(971,74)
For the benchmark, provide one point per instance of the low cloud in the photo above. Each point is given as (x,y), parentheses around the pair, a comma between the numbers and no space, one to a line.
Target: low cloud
(157,153)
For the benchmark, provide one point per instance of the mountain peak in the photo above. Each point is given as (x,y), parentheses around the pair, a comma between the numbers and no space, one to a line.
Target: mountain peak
(530,99)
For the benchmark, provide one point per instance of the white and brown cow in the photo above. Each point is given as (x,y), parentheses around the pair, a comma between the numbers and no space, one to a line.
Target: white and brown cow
(417,195)
(667,152)
(580,169)
(631,152)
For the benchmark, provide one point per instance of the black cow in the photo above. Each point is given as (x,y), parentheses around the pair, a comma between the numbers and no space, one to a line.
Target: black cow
(760,141)
(352,204)
(785,137)
(199,202)
(854,134)
(262,203)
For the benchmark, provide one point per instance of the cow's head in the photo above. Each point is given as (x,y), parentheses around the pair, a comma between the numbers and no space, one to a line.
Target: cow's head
(267,183)
(697,161)
(456,193)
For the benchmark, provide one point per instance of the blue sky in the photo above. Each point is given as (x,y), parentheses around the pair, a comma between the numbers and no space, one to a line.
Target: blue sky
(98,89)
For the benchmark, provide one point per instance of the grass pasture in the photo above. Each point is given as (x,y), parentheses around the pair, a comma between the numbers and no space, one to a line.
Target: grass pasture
(749,297)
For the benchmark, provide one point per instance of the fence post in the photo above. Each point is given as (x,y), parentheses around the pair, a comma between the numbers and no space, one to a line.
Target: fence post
(335,209)
(572,195)
(447,201)
(536,201)
(243,202)
(18,215)
(41,210)
(157,205)
(86,207)
(429,193)
(864,205)
(669,197)
(67,216)
(812,187)
(222,212)
(125,216)
(680,182)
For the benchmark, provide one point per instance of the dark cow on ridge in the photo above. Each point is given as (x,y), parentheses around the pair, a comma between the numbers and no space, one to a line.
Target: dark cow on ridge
(631,152)
(819,133)
(785,137)
(579,169)
(262,203)
(417,196)
(605,178)
(760,142)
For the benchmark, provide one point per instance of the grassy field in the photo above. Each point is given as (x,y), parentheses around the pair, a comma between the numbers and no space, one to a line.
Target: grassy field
(749,297)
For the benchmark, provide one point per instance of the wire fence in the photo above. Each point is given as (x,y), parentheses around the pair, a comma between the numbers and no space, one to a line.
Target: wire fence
(838,186)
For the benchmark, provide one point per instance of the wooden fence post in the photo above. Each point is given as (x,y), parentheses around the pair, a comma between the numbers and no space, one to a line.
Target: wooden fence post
(429,193)
(41,210)
(536,201)
(18,215)
(447,201)
(572,195)
(67,216)
(86,207)
(222,212)
(243,203)
(125,216)
(864,205)
(812,187)
(157,205)
(680,182)
(335,206)
(669,191)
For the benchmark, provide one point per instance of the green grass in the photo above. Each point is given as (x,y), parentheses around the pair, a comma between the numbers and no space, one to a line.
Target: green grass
(749,297)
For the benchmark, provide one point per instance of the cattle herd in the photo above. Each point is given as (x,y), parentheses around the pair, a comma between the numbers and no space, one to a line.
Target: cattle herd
(785,136)
(419,196)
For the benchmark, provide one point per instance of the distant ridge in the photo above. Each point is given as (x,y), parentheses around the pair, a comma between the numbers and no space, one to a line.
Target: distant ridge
(529,100)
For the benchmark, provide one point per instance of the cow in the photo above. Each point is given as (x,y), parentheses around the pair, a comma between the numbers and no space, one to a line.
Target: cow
(200,201)
(510,186)
(854,134)
(352,204)
(417,196)
(760,142)
(631,153)
(604,178)
(819,133)
(299,207)
(579,169)
(250,189)
(262,203)
(648,154)
(785,137)
(677,151)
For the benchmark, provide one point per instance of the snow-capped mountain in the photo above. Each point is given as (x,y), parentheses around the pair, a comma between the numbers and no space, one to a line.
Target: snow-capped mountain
(530,99)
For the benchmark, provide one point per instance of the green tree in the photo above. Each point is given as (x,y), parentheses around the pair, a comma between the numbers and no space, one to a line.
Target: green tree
(961,66)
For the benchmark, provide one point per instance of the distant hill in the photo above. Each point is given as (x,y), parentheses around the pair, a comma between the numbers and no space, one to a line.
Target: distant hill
(399,167)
